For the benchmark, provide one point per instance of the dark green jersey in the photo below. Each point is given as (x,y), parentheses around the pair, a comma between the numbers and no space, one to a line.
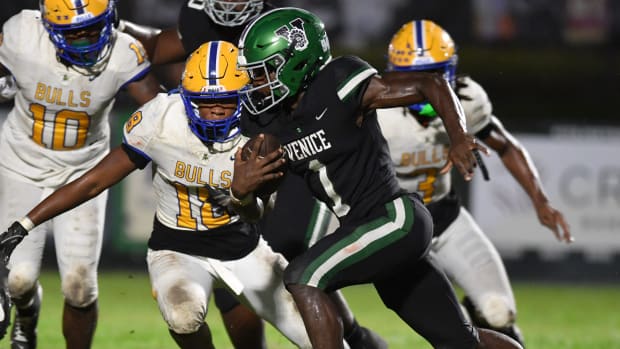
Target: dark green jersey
(345,165)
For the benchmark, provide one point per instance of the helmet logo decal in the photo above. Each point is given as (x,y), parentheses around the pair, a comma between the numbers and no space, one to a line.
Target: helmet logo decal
(296,35)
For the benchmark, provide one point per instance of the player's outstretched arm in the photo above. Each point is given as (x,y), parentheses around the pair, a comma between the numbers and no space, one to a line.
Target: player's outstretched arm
(109,171)
(405,88)
(517,161)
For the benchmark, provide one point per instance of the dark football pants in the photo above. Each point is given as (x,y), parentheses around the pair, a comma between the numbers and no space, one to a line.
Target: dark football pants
(390,251)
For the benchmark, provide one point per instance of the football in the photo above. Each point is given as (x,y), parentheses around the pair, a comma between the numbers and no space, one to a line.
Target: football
(270,144)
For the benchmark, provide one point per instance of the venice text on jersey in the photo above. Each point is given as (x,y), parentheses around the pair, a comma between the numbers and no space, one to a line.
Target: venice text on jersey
(307,146)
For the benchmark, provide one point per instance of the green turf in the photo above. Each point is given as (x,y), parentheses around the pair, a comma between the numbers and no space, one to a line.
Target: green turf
(551,316)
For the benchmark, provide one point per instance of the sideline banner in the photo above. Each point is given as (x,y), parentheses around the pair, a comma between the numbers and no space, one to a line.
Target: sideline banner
(581,176)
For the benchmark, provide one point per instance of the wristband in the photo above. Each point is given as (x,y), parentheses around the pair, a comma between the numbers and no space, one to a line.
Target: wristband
(26,223)
(248,199)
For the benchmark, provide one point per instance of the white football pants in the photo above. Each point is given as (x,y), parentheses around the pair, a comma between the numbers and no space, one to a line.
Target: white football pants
(469,258)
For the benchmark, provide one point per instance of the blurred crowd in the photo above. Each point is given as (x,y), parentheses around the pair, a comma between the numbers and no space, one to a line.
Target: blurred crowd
(355,23)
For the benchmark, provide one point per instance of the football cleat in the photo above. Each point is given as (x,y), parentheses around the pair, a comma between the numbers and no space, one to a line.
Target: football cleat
(81,30)
(422,45)
(24,334)
(284,48)
(369,340)
(230,13)
(211,76)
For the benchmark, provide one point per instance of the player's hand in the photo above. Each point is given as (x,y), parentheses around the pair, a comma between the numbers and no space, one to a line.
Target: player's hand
(462,157)
(554,220)
(250,173)
(10,239)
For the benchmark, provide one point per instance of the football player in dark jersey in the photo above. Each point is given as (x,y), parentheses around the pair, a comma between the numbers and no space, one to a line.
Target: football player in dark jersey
(199,21)
(322,110)
(297,220)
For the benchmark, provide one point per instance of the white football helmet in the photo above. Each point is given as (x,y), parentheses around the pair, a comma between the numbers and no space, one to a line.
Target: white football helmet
(233,13)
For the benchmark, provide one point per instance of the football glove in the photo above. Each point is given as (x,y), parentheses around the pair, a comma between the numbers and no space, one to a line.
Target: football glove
(9,240)
(220,197)
(5,301)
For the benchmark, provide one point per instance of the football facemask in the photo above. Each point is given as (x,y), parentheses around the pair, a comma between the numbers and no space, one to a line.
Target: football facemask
(211,77)
(231,13)
(422,45)
(81,30)
(281,50)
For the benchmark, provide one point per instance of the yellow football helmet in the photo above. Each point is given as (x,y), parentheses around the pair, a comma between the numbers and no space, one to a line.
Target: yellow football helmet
(62,18)
(422,45)
(211,74)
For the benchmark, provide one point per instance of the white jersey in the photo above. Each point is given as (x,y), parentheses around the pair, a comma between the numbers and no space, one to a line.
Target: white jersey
(58,127)
(418,153)
(183,164)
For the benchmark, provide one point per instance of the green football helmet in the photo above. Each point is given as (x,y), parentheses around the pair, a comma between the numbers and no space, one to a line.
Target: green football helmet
(284,48)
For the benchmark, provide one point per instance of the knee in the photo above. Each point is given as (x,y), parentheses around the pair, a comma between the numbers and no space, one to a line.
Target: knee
(183,309)
(79,287)
(497,310)
(22,279)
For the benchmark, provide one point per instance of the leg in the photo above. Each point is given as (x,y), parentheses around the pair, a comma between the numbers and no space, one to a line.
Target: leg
(25,262)
(425,300)
(320,316)
(200,339)
(245,329)
(78,325)
(264,292)
(181,285)
(78,236)
(469,258)
(427,303)
(27,308)
(356,336)
(353,254)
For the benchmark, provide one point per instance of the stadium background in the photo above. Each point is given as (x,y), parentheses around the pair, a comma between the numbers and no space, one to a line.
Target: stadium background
(552,71)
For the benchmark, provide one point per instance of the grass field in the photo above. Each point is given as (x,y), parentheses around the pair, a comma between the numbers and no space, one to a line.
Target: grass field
(551,316)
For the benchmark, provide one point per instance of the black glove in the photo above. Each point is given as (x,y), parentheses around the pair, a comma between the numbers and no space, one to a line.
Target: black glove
(10,239)
(5,301)
(220,197)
